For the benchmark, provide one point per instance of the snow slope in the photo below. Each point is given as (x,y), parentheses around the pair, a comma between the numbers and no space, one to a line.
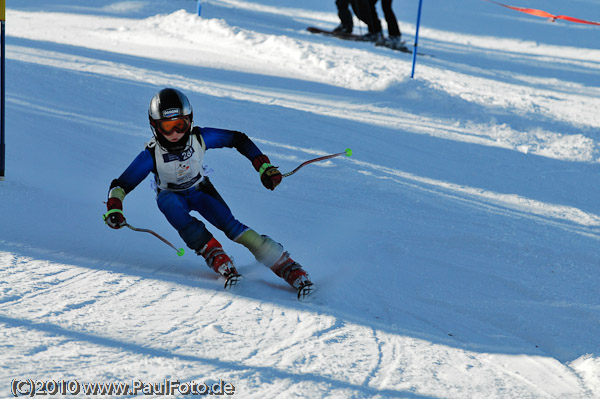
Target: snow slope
(455,251)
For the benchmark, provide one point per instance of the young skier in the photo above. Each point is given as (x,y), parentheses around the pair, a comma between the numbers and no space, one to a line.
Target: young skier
(175,155)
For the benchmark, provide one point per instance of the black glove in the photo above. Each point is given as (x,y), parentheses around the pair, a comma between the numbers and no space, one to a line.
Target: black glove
(269,174)
(114,218)
(270,177)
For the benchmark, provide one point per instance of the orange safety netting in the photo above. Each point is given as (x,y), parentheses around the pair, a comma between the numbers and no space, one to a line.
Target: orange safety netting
(544,14)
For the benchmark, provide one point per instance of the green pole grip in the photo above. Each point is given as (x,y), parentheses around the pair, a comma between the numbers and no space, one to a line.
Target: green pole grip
(107,214)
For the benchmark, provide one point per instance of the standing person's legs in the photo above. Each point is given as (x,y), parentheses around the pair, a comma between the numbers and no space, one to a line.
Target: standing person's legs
(366,12)
(390,18)
(345,15)
(373,17)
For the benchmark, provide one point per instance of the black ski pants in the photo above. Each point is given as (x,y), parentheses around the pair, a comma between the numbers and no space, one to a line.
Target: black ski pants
(390,17)
(366,12)
(344,13)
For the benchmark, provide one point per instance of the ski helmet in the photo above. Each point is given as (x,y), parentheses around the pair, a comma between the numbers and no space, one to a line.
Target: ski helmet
(170,111)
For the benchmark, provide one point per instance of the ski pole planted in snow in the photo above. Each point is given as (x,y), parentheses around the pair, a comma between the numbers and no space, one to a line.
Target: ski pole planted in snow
(347,153)
(412,73)
(180,251)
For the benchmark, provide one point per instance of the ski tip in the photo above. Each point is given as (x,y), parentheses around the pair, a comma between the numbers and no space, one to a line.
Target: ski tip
(232,281)
(305,291)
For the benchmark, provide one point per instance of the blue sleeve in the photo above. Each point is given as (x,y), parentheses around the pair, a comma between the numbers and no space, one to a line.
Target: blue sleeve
(220,138)
(136,172)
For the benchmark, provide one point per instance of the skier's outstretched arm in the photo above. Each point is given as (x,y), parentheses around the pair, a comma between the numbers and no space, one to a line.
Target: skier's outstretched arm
(135,173)
(219,138)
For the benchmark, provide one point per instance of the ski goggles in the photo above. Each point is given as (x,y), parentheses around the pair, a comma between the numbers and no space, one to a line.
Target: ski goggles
(169,126)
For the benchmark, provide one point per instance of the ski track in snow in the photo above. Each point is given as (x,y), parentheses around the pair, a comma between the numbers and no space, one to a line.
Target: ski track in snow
(457,316)
(76,322)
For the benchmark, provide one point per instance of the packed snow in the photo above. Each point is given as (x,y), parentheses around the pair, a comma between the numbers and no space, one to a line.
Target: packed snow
(455,253)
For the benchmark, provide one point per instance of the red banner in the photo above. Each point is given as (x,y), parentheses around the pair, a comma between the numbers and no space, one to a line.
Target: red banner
(544,14)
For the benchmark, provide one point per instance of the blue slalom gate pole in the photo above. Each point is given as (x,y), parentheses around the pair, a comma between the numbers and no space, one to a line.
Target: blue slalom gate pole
(412,74)
(199,8)
(2,88)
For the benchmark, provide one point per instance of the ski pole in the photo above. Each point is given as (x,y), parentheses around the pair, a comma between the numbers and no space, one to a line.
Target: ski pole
(412,74)
(180,251)
(347,153)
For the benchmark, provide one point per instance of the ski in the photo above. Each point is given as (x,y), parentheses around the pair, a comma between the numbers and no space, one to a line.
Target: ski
(358,38)
(232,281)
(305,290)
(339,35)
(402,47)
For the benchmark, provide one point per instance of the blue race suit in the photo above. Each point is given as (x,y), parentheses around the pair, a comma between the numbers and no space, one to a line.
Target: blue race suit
(201,197)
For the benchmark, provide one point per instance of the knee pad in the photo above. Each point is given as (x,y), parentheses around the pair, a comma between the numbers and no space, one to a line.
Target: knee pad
(264,249)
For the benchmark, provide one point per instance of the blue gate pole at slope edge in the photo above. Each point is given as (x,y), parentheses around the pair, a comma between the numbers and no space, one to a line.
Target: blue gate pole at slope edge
(2,88)
(412,74)
(199,8)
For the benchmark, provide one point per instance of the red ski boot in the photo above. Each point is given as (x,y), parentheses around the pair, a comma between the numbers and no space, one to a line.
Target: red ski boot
(220,262)
(294,275)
